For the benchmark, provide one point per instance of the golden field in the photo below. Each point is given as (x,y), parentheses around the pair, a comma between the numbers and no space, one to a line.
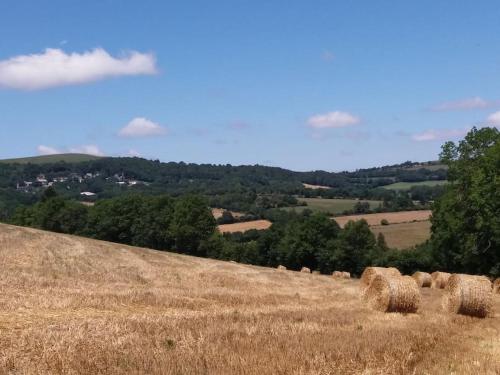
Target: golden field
(404,235)
(70,305)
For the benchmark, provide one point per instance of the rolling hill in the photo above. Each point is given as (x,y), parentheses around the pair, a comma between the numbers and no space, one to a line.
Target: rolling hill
(75,305)
(46,159)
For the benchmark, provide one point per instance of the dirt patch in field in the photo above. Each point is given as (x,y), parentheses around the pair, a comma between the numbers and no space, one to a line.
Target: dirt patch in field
(315,187)
(217,213)
(243,227)
(391,217)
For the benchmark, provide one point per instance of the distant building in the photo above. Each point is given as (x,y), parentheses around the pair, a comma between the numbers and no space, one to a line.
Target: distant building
(87,194)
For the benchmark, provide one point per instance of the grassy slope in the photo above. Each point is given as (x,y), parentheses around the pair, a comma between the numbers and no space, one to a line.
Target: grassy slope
(408,185)
(331,206)
(73,305)
(69,158)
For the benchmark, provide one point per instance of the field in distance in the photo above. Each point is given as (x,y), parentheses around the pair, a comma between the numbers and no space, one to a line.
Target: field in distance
(245,226)
(331,206)
(408,185)
(68,158)
(80,306)
(404,235)
(391,217)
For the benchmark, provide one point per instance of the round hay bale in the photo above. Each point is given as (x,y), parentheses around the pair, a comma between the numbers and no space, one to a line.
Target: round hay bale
(468,295)
(423,279)
(281,268)
(371,272)
(305,270)
(337,274)
(346,275)
(496,286)
(393,294)
(439,279)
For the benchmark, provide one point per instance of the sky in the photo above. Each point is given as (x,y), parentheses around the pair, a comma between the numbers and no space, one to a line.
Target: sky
(305,85)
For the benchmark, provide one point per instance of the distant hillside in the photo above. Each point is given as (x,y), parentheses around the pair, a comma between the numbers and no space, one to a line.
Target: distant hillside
(47,159)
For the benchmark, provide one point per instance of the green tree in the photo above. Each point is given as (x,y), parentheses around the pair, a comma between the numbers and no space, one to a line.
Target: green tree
(466,219)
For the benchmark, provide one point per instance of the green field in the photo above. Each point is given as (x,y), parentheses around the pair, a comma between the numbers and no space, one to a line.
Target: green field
(331,206)
(68,158)
(408,185)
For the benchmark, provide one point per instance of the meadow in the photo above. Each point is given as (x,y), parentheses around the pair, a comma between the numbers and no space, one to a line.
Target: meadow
(332,206)
(71,305)
(409,185)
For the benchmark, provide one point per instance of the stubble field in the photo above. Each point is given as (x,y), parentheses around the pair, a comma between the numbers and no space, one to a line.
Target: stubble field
(76,306)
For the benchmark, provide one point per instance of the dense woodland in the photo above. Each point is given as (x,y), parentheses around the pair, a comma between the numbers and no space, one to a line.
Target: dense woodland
(465,222)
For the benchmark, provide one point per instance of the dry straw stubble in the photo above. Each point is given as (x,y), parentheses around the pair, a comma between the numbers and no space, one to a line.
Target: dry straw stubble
(393,294)
(496,286)
(439,279)
(423,279)
(468,295)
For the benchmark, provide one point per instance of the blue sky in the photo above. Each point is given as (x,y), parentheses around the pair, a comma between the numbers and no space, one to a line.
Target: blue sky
(331,85)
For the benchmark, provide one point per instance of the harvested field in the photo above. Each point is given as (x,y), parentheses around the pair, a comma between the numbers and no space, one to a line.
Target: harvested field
(79,306)
(243,227)
(315,187)
(409,185)
(391,217)
(404,235)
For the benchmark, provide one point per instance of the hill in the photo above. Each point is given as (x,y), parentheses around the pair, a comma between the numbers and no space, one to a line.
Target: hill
(74,305)
(47,159)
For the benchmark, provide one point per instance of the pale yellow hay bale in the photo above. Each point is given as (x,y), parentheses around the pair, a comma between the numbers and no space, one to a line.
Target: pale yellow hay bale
(468,295)
(337,275)
(281,268)
(305,270)
(423,279)
(496,286)
(371,272)
(393,294)
(346,275)
(439,279)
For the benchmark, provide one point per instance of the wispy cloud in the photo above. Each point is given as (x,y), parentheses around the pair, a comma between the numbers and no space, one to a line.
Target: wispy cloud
(55,67)
(142,127)
(328,56)
(47,150)
(475,102)
(440,135)
(239,125)
(134,153)
(336,119)
(83,149)
(494,119)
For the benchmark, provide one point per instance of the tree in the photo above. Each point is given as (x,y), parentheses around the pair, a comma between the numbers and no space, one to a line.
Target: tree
(466,219)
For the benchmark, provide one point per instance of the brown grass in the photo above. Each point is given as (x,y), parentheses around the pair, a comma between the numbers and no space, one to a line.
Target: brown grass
(370,273)
(439,279)
(468,295)
(76,306)
(391,217)
(393,294)
(404,235)
(423,279)
(243,227)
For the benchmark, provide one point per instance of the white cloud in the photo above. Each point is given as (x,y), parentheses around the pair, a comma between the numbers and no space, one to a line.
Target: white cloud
(142,127)
(55,67)
(465,104)
(336,119)
(440,135)
(47,150)
(494,119)
(134,153)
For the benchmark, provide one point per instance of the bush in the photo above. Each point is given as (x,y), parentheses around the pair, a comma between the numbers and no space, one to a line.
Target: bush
(384,222)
